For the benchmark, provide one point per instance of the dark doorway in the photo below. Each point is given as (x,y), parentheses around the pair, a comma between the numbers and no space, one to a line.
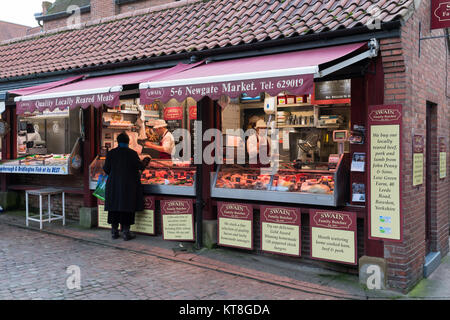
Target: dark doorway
(431,125)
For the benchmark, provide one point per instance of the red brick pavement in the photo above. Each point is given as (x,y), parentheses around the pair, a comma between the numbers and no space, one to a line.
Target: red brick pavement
(33,266)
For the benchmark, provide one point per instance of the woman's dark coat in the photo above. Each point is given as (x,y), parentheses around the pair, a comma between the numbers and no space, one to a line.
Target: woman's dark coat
(124,191)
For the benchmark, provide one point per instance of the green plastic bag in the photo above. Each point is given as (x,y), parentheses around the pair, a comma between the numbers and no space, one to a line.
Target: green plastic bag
(100,190)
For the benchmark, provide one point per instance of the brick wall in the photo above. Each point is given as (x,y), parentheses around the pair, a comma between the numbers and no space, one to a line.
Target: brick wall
(64,22)
(102,9)
(411,80)
(142,4)
(73,202)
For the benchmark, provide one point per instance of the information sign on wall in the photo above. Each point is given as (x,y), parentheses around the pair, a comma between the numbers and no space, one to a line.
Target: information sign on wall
(418,157)
(333,236)
(385,172)
(178,219)
(442,158)
(235,225)
(280,230)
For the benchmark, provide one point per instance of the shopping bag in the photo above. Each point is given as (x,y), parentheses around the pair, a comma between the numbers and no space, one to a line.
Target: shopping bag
(100,190)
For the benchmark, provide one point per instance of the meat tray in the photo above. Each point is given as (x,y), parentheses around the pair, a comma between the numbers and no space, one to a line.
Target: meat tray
(310,187)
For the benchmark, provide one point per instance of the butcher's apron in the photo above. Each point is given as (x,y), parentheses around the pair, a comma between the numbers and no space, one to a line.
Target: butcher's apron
(164,155)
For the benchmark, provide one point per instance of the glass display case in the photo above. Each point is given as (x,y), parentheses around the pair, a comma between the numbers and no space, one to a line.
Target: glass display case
(169,177)
(315,184)
(159,177)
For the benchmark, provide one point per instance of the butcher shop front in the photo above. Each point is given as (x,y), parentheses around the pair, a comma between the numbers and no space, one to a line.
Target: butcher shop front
(284,149)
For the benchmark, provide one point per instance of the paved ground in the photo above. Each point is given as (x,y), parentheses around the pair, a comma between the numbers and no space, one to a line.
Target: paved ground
(33,265)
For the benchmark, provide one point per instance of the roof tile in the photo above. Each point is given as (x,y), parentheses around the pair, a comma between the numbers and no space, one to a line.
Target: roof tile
(186,25)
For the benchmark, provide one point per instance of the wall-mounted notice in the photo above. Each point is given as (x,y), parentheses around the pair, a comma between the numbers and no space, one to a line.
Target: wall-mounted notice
(178,219)
(442,158)
(333,236)
(145,220)
(418,157)
(235,225)
(385,172)
(280,230)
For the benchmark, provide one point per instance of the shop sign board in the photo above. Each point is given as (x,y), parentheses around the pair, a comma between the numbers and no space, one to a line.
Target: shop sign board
(296,85)
(235,225)
(178,219)
(48,170)
(111,99)
(418,158)
(333,236)
(442,158)
(144,220)
(440,14)
(385,168)
(327,92)
(280,230)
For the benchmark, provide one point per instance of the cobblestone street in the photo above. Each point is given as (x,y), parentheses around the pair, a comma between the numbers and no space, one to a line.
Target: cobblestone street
(33,265)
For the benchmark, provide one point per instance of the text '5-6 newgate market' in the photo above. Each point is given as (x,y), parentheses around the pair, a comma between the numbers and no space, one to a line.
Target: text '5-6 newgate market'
(344,98)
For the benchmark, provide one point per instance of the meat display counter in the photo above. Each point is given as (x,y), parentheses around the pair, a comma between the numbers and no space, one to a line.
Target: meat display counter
(315,184)
(164,177)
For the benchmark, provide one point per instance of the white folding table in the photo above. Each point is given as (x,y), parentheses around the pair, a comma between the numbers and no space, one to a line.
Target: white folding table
(51,215)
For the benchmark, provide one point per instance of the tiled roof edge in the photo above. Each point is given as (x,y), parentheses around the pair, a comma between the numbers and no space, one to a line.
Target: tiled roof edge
(171,5)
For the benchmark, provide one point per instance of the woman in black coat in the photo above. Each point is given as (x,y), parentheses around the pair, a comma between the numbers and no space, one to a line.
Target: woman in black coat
(124,194)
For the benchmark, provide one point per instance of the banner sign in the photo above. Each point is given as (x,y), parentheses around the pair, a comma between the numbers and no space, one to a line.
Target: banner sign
(440,14)
(333,236)
(178,219)
(280,230)
(50,170)
(418,157)
(235,225)
(385,180)
(296,85)
(111,99)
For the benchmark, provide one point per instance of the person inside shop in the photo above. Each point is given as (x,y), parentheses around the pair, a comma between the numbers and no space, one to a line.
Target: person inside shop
(166,146)
(124,192)
(257,143)
(28,135)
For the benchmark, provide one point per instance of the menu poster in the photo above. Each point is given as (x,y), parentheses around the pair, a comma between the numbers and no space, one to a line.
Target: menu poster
(280,230)
(178,219)
(333,236)
(145,220)
(418,157)
(385,172)
(442,158)
(235,225)
(173,117)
